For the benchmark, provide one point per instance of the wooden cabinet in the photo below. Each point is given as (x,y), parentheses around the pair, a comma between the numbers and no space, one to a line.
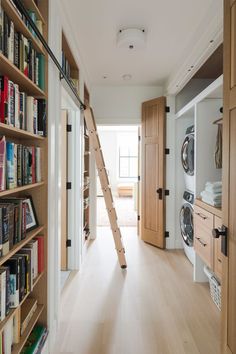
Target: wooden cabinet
(207,218)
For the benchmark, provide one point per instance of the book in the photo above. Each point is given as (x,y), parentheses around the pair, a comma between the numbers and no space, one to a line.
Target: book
(42,118)
(14,266)
(5,229)
(41,71)
(10,173)
(3,163)
(4,99)
(27,310)
(11,41)
(33,341)
(3,293)
(1,28)
(40,253)
(8,336)
(38,177)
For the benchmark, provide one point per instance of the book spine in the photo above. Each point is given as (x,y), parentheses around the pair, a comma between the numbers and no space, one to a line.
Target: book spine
(19,165)
(3,295)
(1,28)
(10,164)
(17,106)
(2,163)
(5,235)
(4,99)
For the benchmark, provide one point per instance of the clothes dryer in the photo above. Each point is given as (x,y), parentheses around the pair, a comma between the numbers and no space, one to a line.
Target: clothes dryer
(186,225)
(187,158)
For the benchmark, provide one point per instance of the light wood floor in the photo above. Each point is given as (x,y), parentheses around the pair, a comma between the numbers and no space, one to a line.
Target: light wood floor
(152,308)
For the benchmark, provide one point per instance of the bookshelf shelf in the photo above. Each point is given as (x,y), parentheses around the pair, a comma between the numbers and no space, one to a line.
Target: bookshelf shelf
(20,26)
(19,78)
(18,347)
(13,311)
(13,132)
(21,189)
(30,5)
(30,235)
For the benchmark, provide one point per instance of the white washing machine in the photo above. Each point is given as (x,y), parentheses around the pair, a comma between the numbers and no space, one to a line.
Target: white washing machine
(187,158)
(186,225)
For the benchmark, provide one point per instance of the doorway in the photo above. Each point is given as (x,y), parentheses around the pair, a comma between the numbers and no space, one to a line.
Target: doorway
(121,154)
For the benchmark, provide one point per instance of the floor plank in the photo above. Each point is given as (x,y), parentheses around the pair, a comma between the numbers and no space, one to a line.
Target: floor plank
(152,308)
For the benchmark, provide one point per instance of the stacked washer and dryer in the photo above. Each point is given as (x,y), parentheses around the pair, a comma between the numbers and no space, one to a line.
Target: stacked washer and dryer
(186,212)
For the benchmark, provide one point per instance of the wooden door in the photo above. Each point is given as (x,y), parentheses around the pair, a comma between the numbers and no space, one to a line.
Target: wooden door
(153,172)
(64,261)
(229,178)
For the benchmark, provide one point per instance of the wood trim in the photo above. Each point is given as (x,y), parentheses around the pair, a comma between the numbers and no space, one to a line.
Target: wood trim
(211,209)
(20,189)
(18,133)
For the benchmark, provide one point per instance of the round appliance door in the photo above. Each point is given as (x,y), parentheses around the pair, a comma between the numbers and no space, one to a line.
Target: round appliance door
(186,224)
(187,154)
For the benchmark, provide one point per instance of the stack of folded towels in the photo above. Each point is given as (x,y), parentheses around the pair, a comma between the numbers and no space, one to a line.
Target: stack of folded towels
(212,194)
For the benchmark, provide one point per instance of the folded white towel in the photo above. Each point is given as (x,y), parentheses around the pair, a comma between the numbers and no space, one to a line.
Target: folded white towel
(214,184)
(211,196)
(213,190)
(211,202)
(213,187)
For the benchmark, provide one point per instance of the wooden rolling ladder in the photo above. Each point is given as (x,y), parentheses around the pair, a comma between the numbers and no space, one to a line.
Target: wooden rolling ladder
(95,143)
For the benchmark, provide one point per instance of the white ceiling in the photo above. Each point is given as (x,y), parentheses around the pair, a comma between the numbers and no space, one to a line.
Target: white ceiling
(172,27)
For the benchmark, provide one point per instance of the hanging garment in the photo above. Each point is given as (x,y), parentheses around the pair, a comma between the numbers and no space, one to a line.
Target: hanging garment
(218,149)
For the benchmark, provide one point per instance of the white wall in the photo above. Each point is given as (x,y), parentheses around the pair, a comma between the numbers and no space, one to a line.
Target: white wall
(122,104)
(58,20)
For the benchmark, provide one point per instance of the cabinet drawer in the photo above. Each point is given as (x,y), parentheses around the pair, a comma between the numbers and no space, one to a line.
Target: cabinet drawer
(203,246)
(218,256)
(203,218)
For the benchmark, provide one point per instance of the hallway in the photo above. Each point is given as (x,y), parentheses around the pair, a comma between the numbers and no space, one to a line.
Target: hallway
(152,308)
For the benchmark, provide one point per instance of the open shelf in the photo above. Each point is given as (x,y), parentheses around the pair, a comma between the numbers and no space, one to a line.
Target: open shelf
(13,132)
(20,78)
(20,26)
(214,90)
(20,189)
(29,236)
(13,311)
(18,347)
(30,5)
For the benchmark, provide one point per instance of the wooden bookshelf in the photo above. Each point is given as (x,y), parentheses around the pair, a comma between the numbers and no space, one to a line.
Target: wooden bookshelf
(12,312)
(18,347)
(74,69)
(17,190)
(30,5)
(12,132)
(38,191)
(20,25)
(29,236)
(18,77)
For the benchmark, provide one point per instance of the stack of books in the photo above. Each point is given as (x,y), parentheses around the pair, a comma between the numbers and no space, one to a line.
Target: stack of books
(19,164)
(20,52)
(21,111)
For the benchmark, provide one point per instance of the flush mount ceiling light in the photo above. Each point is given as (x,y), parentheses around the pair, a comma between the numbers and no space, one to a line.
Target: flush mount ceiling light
(127,77)
(131,38)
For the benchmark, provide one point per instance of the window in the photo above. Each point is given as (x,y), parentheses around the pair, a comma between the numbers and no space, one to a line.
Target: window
(128,162)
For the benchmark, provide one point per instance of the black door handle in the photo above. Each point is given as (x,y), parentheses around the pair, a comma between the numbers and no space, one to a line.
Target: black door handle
(160,193)
(222,231)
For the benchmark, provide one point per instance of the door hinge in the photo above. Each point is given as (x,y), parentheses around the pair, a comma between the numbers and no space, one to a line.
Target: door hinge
(138,217)
(167,234)
(68,185)
(139,178)
(167,192)
(167,109)
(139,138)
(167,151)
(69,128)
(68,243)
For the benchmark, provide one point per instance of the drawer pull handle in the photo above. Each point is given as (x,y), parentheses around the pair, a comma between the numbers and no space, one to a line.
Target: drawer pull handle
(219,260)
(200,241)
(202,216)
